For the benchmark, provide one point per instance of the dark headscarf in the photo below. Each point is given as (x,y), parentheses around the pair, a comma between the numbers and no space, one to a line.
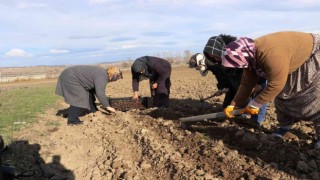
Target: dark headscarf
(141,64)
(214,47)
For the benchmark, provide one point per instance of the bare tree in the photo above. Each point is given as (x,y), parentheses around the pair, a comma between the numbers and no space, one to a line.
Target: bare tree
(170,59)
(125,64)
(187,55)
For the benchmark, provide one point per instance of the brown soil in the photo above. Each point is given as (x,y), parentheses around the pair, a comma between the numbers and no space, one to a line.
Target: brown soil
(150,144)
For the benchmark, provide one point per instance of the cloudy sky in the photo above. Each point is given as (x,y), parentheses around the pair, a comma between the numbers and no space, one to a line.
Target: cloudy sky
(57,32)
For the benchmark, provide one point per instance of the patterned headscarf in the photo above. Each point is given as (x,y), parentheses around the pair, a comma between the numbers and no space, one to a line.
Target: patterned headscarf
(114,73)
(242,54)
(141,64)
(214,47)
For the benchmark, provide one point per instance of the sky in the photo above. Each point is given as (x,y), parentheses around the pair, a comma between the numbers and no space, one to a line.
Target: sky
(69,32)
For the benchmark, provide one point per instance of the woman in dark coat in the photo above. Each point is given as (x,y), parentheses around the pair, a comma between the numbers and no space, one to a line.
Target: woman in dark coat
(80,84)
(228,80)
(158,71)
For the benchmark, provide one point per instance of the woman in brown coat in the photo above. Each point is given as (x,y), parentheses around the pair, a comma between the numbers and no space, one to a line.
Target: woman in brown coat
(290,61)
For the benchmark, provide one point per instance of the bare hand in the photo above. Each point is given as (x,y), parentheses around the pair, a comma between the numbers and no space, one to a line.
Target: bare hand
(111,109)
(135,95)
(154,86)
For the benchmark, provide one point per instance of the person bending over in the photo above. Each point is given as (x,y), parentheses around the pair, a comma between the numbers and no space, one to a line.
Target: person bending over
(80,84)
(158,71)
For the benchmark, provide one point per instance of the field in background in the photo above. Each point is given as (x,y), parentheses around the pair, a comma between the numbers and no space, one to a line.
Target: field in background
(19,106)
(150,143)
(18,74)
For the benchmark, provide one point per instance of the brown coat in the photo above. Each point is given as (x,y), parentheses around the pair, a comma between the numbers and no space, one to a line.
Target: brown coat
(279,54)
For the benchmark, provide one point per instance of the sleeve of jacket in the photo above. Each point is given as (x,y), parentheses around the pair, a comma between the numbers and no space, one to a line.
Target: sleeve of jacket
(100,84)
(248,82)
(135,81)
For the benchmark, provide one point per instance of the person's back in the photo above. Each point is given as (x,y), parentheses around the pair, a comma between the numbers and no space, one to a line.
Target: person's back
(294,47)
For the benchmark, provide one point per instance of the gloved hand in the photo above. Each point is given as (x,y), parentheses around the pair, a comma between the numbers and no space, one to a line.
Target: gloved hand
(227,111)
(250,110)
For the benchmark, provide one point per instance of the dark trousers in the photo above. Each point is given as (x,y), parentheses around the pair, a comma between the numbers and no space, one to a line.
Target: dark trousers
(92,99)
(229,97)
(159,98)
(75,112)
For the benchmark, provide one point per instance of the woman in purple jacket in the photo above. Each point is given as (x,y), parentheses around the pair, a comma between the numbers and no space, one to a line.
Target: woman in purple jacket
(158,71)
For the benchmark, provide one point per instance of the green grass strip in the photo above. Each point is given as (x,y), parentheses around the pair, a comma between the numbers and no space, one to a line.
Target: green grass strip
(19,107)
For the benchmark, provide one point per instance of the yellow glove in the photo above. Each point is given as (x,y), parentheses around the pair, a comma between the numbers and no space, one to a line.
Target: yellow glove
(250,110)
(227,111)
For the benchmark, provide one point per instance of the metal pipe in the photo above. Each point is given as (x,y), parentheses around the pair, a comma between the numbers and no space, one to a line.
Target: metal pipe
(208,116)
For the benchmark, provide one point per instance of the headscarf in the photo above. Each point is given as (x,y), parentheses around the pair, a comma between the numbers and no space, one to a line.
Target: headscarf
(214,47)
(114,73)
(242,54)
(197,61)
(193,61)
(141,64)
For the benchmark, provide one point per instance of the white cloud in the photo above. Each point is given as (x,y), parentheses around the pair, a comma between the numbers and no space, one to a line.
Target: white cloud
(59,51)
(18,53)
(122,28)
(24,5)
(98,1)
(128,46)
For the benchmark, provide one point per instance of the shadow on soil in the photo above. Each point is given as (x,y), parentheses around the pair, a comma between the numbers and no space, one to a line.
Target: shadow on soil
(25,157)
(247,138)
(283,154)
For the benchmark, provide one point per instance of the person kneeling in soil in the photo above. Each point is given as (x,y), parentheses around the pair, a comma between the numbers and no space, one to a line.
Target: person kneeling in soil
(228,78)
(80,84)
(290,62)
(158,71)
